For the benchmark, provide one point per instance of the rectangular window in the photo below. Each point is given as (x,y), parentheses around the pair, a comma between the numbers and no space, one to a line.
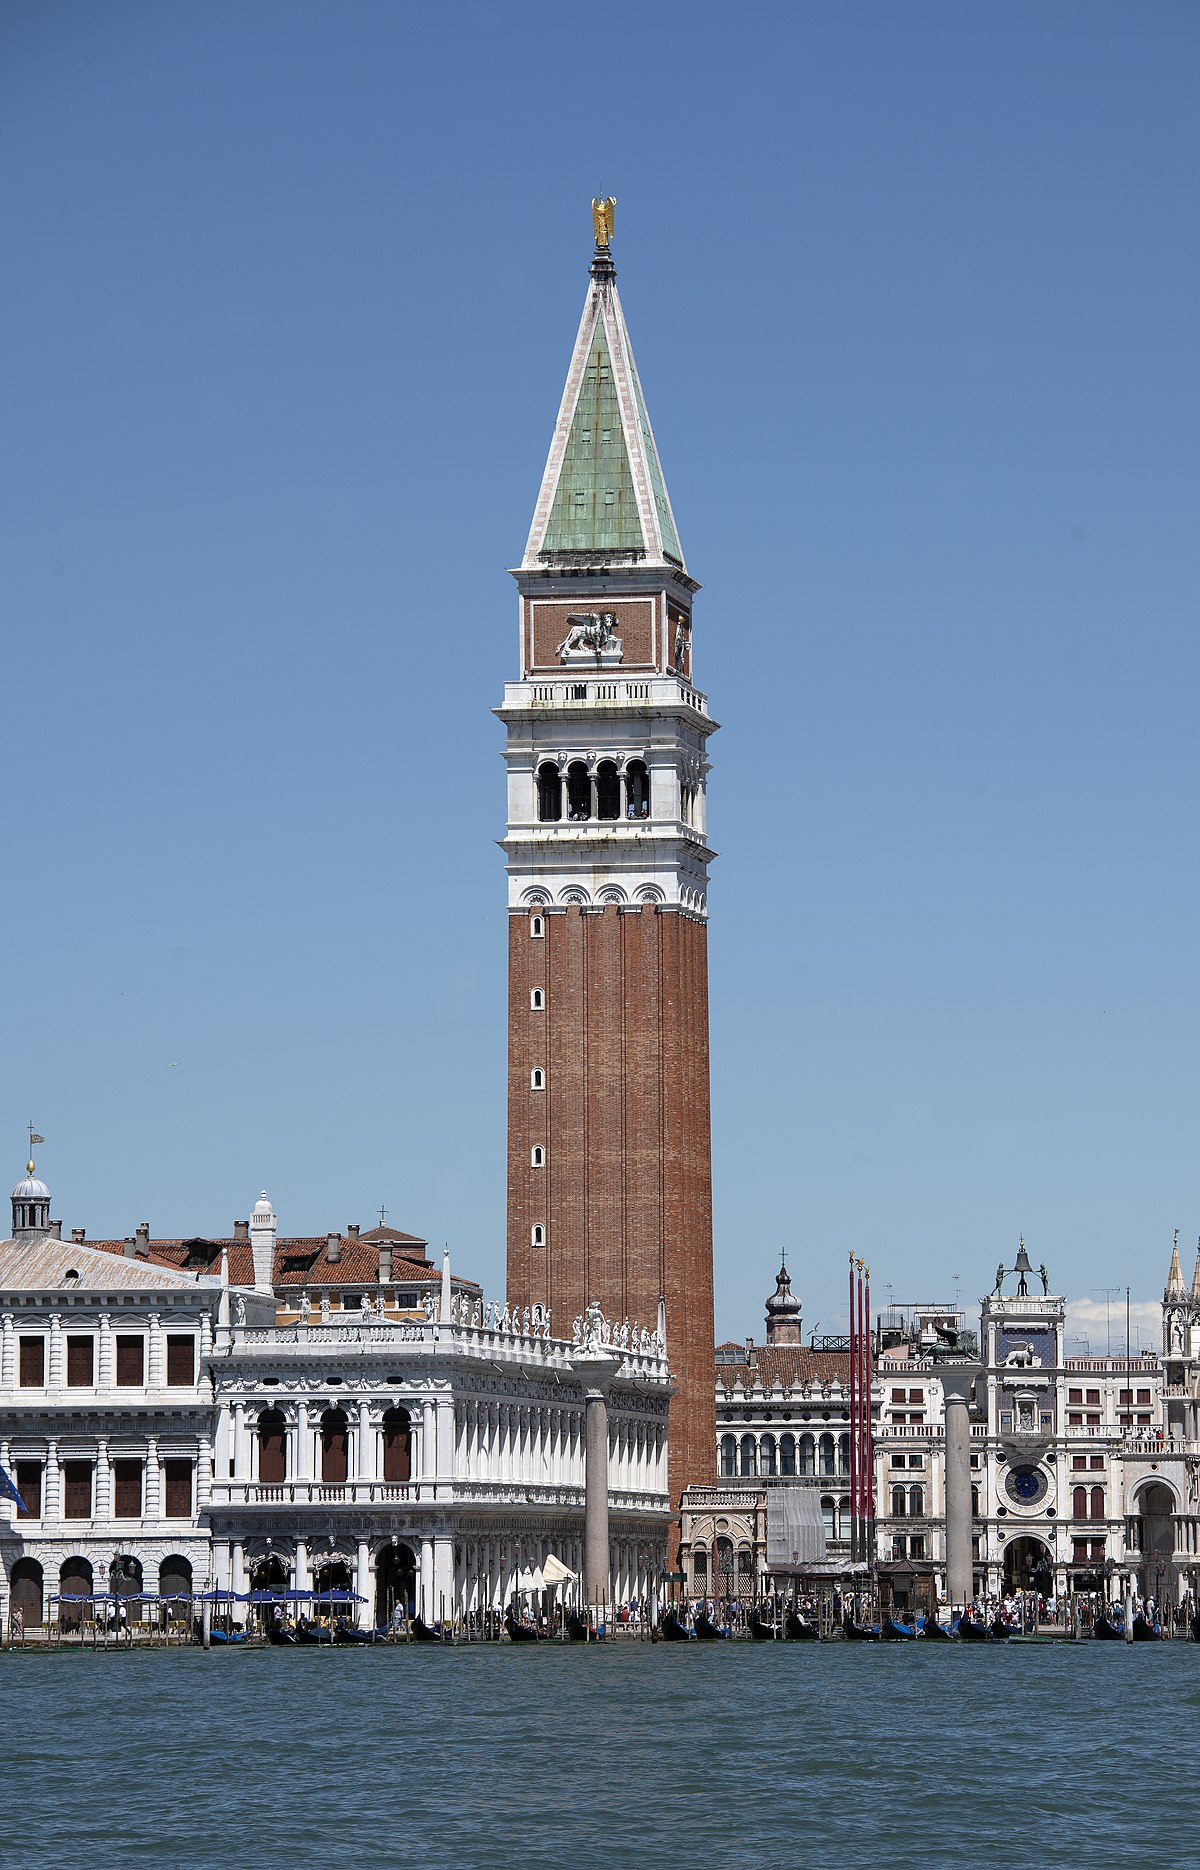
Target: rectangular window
(77,1490)
(1074,1418)
(181,1360)
(1006,1418)
(1079,1460)
(1093,1420)
(899,1396)
(29,1486)
(1075,1396)
(1097,1461)
(130,1362)
(178,1489)
(916,1545)
(33,1363)
(1143,1396)
(127,1489)
(80,1353)
(917,1396)
(1093,1396)
(1079,1552)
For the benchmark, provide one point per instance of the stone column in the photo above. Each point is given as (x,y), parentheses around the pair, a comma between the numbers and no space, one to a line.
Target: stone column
(204,1474)
(52,1504)
(956,1389)
(8,1354)
(428,1444)
(443,1576)
(152,1504)
(365,1464)
(302,1579)
(597,1373)
(102,1503)
(104,1355)
(8,1508)
(155,1374)
(304,1462)
(54,1360)
(239,1441)
(425,1582)
(237,1569)
(206,1333)
(364,1612)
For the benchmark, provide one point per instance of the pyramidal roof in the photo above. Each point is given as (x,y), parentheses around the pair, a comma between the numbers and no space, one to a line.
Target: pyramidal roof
(603,491)
(1175,1288)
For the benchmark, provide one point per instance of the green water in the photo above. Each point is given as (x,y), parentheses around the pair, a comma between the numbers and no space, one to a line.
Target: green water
(741,1754)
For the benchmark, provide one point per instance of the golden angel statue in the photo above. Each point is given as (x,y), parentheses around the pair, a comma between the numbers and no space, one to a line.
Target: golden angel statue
(602,219)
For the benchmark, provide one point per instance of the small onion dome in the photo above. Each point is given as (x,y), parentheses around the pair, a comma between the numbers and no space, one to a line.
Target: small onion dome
(263,1210)
(783,1302)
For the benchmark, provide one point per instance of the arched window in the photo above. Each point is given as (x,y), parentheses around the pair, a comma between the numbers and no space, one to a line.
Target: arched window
(975,1502)
(549,791)
(537,1079)
(827,1466)
(272,1446)
(916,1502)
(1079,1503)
(787,1454)
(397,1445)
(747,1454)
(843,1454)
(74,1582)
(579,791)
(25,1592)
(728,1457)
(335,1446)
(637,790)
(808,1463)
(766,1455)
(1098,1503)
(899,1503)
(827,1516)
(608,790)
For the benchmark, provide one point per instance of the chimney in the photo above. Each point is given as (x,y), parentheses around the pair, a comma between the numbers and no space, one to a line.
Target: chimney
(78,1235)
(352,1230)
(143,1240)
(129,1246)
(241,1230)
(751,1353)
(56,1230)
(385,1265)
(333,1248)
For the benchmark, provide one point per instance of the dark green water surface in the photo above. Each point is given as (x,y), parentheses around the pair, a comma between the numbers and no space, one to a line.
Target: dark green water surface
(739,1754)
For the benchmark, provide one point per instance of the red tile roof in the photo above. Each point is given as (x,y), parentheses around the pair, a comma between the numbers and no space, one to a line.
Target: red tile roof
(300,1260)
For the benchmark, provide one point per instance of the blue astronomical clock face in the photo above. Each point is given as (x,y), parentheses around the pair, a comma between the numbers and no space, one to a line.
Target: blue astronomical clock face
(1026,1485)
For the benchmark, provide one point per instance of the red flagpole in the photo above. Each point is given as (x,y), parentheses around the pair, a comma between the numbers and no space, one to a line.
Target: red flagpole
(868,1427)
(853,1423)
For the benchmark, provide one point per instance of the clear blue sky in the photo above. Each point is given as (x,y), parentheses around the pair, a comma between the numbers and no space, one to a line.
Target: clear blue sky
(290,292)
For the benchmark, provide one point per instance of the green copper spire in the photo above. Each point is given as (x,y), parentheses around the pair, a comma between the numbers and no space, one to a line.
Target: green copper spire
(603,493)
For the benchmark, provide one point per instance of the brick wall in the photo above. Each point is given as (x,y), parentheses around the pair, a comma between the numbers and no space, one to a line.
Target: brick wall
(626,1193)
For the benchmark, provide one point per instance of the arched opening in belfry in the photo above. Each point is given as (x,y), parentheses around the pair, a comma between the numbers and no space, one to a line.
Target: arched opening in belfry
(335,1447)
(608,790)
(637,790)
(549,790)
(579,791)
(397,1445)
(395,1583)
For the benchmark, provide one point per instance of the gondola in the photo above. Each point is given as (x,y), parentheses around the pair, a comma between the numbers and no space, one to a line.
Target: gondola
(280,1636)
(972,1632)
(934,1633)
(578,1630)
(858,1632)
(420,1632)
(518,1632)
(672,1630)
(1144,1632)
(892,1632)
(1001,1631)
(349,1633)
(1106,1631)
(760,1629)
(706,1629)
(312,1635)
(222,1637)
(797,1629)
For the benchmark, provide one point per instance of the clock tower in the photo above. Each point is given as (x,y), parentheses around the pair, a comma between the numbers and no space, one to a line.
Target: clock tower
(609,1175)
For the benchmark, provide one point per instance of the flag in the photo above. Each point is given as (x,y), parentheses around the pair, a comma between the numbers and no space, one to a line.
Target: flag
(8,1490)
(35,1138)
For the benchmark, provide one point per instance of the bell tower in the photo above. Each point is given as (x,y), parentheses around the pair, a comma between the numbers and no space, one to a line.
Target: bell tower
(609,1175)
